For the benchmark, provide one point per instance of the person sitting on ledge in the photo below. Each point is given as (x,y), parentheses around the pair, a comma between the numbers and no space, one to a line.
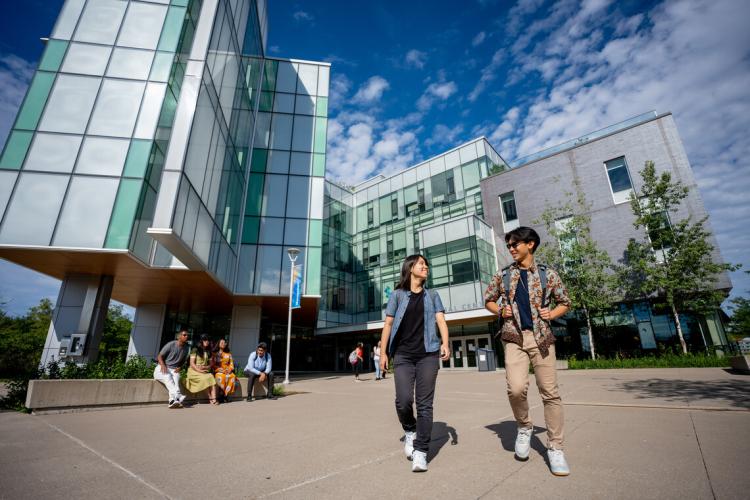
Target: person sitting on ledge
(199,376)
(259,367)
(224,371)
(167,371)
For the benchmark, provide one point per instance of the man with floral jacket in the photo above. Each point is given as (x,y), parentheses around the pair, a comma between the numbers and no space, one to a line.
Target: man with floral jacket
(526,335)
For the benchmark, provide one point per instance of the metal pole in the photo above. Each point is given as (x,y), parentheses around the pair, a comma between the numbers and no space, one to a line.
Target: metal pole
(289,321)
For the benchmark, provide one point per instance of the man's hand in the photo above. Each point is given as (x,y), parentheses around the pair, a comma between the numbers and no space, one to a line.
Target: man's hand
(546,314)
(263,376)
(383,361)
(164,370)
(507,312)
(445,352)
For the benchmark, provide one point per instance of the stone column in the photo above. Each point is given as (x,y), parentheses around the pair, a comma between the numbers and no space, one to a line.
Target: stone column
(244,334)
(148,326)
(80,310)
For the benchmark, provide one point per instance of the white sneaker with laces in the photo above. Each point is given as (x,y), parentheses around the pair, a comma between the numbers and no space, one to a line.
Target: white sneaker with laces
(523,442)
(172,403)
(557,463)
(419,461)
(409,444)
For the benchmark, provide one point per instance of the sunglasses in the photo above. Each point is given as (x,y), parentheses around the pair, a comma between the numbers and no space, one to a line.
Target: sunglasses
(514,245)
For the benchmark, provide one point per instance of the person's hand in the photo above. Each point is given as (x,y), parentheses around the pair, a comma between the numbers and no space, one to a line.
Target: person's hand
(164,370)
(383,361)
(262,376)
(546,314)
(445,352)
(507,312)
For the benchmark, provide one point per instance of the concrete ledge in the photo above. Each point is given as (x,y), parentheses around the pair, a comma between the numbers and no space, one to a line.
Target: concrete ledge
(46,395)
(740,363)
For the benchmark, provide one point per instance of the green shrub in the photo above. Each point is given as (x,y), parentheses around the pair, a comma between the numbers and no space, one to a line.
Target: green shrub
(666,360)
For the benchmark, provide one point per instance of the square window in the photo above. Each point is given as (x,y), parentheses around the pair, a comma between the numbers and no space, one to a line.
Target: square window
(286,77)
(86,59)
(281,132)
(142,26)
(33,210)
(85,215)
(305,105)
(66,21)
(508,203)
(130,63)
(117,108)
(271,231)
(102,156)
(303,133)
(70,104)
(283,103)
(53,152)
(100,21)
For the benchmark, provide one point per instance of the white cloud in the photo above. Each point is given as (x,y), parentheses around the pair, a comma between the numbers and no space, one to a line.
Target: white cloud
(690,57)
(443,135)
(416,59)
(338,90)
(478,39)
(436,91)
(371,91)
(301,16)
(489,73)
(15,75)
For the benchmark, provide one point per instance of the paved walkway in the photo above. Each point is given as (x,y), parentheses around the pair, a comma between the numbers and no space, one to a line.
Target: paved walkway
(667,433)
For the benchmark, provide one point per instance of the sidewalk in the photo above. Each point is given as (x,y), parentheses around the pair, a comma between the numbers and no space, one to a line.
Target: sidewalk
(651,433)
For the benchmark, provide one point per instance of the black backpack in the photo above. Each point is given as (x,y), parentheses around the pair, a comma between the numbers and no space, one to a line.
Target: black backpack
(542,277)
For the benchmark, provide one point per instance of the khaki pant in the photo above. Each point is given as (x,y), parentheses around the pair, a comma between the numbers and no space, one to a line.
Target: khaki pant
(517,376)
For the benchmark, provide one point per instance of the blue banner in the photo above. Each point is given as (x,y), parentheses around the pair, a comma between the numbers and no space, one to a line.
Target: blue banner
(297,288)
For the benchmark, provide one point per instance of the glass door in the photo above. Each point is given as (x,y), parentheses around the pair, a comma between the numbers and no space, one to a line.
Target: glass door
(471,353)
(457,356)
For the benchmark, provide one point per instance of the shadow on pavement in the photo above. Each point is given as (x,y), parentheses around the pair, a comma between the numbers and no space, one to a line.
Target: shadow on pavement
(506,432)
(734,392)
(441,433)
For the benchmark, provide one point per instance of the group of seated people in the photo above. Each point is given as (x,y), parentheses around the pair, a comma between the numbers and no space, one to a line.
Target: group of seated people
(211,367)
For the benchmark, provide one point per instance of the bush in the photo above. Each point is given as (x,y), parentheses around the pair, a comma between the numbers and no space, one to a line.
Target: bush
(135,367)
(667,360)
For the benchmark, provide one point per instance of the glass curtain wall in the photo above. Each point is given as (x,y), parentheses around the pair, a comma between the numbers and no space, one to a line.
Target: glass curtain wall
(386,219)
(81,166)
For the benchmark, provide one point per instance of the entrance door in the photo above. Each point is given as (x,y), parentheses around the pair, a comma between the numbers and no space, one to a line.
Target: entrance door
(471,353)
(457,355)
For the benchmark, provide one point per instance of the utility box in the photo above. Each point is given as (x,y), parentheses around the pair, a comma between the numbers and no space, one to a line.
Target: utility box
(486,360)
(77,344)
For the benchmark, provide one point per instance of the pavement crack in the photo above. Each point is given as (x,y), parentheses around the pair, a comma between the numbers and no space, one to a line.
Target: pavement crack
(703,459)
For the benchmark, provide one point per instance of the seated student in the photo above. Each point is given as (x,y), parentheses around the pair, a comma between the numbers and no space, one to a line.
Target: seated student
(259,367)
(167,371)
(199,376)
(224,370)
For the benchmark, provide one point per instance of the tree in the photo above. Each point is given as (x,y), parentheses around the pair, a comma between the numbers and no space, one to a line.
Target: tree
(22,339)
(585,269)
(116,334)
(739,325)
(673,262)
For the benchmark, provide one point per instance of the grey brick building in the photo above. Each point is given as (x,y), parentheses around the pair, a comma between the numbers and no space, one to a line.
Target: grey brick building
(605,165)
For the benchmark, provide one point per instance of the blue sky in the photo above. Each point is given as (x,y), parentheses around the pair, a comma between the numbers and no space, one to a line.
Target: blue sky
(412,79)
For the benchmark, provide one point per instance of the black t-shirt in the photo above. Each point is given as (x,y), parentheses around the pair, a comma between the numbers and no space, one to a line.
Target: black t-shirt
(410,335)
(522,300)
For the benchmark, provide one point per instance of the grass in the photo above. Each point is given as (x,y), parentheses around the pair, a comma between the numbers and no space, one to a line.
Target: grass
(666,360)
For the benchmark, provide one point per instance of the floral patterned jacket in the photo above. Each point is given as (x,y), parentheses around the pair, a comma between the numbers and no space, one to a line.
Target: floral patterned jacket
(511,330)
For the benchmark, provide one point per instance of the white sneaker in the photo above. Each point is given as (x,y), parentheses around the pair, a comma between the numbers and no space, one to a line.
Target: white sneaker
(419,461)
(173,403)
(523,442)
(409,444)
(181,400)
(557,463)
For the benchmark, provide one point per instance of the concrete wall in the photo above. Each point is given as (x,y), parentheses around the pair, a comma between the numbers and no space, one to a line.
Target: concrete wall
(148,325)
(244,333)
(545,182)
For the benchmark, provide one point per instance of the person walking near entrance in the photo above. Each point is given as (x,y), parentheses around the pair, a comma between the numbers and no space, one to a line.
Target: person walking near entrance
(358,357)
(167,371)
(524,289)
(413,342)
(376,360)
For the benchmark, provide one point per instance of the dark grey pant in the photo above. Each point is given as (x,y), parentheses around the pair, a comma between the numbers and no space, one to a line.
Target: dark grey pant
(251,383)
(415,378)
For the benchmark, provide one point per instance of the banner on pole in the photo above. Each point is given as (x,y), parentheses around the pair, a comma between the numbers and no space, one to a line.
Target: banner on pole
(297,288)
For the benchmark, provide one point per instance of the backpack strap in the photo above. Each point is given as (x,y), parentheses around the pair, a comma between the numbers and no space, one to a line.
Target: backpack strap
(506,282)
(543,279)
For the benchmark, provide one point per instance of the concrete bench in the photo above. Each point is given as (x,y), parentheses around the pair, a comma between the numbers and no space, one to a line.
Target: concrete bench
(52,395)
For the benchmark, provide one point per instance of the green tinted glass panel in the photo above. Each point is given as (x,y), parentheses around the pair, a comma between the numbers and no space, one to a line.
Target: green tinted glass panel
(161,67)
(322,108)
(15,150)
(53,55)
(315,233)
(320,135)
(123,215)
(250,230)
(254,200)
(312,273)
(258,163)
(170,34)
(183,3)
(35,100)
(266,101)
(137,161)
(269,75)
(319,165)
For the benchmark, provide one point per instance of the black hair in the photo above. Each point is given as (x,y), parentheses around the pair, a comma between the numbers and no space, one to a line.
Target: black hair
(199,347)
(263,345)
(525,235)
(226,349)
(405,282)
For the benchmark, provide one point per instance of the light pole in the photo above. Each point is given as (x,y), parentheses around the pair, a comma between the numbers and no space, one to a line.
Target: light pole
(293,253)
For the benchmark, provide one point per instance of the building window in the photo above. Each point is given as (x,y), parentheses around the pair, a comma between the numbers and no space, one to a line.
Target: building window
(370,216)
(451,186)
(619,179)
(420,199)
(510,215)
(394,207)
